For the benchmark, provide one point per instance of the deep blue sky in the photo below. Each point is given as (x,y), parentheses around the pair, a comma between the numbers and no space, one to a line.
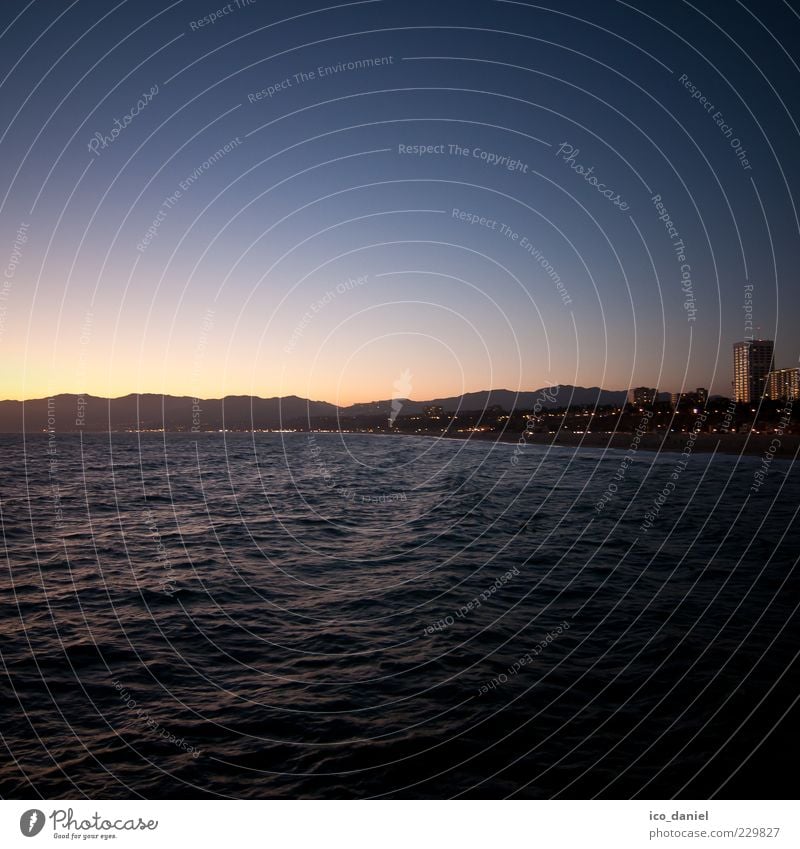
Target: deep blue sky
(316,192)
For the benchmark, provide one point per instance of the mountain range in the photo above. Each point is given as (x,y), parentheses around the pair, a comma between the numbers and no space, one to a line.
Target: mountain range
(69,412)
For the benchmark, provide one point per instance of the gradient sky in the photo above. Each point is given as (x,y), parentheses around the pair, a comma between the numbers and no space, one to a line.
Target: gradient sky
(316,193)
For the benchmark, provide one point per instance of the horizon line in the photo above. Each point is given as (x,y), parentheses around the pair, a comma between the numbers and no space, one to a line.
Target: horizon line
(332,403)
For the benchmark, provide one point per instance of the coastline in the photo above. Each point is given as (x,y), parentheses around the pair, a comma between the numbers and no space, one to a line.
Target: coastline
(781,446)
(784,446)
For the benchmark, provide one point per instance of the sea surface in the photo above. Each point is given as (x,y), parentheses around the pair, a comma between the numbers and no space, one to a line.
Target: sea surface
(349,616)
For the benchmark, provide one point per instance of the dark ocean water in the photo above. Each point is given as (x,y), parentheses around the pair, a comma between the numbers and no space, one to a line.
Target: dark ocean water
(289,615)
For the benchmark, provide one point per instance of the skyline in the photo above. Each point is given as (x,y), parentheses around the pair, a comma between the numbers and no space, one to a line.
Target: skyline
(403,383)
(188,203)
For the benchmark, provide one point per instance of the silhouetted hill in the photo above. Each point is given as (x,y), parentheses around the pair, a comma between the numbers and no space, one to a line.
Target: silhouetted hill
(244,412)
(562,396)
(151,412)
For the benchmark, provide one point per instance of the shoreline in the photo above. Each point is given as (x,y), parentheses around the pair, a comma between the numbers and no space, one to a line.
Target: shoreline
(785,446)
(740,444)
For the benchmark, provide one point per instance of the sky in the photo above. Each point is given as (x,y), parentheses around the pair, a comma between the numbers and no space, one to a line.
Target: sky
(358,201)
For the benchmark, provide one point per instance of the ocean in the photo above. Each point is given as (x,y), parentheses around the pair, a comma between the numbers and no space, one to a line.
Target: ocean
(355,616)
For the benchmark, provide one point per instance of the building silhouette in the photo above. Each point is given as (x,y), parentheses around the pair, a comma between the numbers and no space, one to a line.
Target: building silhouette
(697,398)
(642,396)
(752,363)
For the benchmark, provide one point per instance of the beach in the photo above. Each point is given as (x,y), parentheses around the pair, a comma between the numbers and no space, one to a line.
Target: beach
(755,444)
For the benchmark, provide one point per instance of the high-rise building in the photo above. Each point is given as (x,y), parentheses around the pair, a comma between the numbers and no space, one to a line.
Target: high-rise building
(784,384)
(752,363)
(642,396)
